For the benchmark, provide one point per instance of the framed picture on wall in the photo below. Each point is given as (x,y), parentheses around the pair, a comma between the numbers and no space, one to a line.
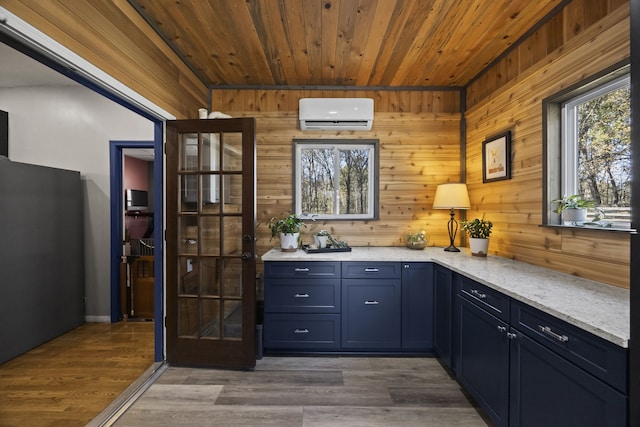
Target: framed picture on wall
(496,158)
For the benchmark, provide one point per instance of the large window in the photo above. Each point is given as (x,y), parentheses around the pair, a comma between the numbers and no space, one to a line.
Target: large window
(336,179)
(590,154)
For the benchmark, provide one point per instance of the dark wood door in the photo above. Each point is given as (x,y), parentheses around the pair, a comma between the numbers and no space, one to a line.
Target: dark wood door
(210,243)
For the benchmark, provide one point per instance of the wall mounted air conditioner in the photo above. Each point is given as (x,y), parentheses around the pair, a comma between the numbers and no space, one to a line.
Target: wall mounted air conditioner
(336,113)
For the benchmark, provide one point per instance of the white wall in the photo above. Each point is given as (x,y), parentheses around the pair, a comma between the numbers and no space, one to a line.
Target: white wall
(69,127)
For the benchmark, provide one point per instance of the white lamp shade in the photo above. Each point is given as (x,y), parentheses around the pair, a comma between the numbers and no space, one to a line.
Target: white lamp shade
(451,196)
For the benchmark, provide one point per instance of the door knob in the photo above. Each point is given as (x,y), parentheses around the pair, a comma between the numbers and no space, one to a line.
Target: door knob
(247,255)
(247,238)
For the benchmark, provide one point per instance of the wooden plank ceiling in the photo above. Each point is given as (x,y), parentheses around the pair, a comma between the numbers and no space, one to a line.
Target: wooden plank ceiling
(380,43)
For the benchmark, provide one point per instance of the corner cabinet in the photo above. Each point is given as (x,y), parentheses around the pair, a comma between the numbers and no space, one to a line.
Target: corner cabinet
(346,307)
(527,368)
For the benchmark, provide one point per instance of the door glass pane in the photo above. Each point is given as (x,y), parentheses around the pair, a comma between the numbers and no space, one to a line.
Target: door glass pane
(188,317)
(210,152)
(232,153)
(232,235)
(232,189)
(188,152)
(187,276)
(210,318)
(209,277)
(187,235)
(232,319)
(188,193)
(232,277)
(210,235)
(211,193)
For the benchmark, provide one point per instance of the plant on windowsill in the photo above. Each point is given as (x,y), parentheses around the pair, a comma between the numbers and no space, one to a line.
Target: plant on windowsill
(479,231)
(573,209)
(287,227)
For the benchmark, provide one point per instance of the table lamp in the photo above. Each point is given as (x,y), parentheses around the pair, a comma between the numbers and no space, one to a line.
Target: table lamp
(452,196)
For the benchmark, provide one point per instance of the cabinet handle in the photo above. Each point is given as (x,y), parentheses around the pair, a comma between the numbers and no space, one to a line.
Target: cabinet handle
(371,303)
(511,336)
(371,270)
(478,294)
(301,270)
(547,330)
(301,295)
(301,331)
(502,329)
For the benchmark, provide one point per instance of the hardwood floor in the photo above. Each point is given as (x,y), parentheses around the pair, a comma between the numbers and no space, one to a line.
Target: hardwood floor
(308,392)
(71,379)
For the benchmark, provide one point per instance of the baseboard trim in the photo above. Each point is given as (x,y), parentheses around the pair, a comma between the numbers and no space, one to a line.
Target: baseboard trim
(97,319)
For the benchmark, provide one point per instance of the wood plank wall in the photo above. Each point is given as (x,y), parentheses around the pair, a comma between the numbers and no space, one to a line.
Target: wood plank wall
(586,37)
(419,134)
(115,38)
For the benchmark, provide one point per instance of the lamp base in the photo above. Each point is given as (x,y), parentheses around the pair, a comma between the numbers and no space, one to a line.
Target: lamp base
(451,249)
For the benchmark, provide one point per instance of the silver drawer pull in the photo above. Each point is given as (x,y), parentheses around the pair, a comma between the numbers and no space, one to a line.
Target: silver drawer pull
(502,329)
(547,330)
(301,295)
(478,294)
(371,270)
(371,303)
(301,331)
(301,270)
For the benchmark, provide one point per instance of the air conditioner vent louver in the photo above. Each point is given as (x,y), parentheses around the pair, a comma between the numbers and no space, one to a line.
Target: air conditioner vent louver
(336,113)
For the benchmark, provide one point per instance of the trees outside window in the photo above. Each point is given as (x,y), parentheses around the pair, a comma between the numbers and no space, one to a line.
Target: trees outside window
(336,179)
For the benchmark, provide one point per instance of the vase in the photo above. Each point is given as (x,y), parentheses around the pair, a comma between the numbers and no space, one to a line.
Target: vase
(572,216)
(289,242)
(478,246)
(320,241)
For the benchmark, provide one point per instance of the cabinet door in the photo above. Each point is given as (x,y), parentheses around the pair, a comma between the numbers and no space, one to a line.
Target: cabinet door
(417,306)
(548,390)
(371,314)
(484,360)
(442,314)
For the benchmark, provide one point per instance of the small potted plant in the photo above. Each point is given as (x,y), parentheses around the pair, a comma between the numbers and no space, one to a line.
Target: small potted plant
(321,238)
(417,239)
(573,209)
(287,227)
(479,231)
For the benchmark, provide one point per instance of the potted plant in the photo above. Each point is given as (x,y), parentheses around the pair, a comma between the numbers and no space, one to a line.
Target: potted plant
(479,231)
(573,209)
(287,227)
(321,238)
(417,239)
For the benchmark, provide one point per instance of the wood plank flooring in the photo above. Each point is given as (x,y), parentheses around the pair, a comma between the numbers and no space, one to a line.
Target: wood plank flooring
(307,392)
(71,379)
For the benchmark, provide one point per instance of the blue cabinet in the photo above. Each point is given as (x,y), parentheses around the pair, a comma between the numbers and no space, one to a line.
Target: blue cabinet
(548,390)
(417,306)
(527,368)
(371,306)
(484,359)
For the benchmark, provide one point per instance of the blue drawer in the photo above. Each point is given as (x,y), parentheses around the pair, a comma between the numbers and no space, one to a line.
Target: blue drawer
(597,356)
(371,270)
(302,269)
(301,331)
(493,301)
(302,296)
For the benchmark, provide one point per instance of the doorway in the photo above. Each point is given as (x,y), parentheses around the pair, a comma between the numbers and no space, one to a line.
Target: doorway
(151,235)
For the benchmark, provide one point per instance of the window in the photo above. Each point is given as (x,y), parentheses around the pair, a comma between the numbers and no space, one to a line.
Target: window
(336,179)
(593,152)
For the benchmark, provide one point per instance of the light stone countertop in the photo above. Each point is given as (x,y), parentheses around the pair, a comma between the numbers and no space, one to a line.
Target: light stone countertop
(593,306)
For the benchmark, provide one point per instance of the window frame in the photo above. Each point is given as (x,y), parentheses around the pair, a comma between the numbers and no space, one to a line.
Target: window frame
(374,176)
(556,182)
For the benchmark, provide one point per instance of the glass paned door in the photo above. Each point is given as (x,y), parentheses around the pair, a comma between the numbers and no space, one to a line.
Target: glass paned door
(211,242)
